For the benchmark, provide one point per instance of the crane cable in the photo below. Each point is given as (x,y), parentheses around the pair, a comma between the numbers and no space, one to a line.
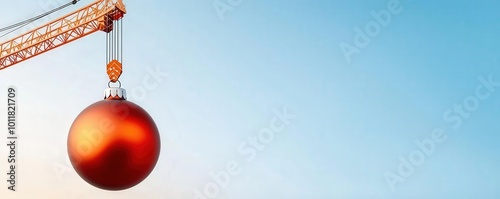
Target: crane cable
(114,48)
(21,24)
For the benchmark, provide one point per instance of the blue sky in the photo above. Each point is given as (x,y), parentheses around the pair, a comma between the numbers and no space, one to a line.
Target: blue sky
(227,77)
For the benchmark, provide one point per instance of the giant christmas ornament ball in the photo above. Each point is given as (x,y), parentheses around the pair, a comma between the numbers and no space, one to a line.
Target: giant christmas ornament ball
(114,144)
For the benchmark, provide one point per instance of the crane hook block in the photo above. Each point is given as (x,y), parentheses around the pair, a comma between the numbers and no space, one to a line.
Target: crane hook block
(114,70)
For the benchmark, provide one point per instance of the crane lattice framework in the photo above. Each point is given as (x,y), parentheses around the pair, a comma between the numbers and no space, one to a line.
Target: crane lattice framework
(98,16)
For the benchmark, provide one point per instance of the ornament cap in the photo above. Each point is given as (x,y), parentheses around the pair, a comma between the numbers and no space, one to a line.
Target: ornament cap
(114,93)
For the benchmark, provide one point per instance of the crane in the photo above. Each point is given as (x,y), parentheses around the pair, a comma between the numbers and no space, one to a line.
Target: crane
(102,15)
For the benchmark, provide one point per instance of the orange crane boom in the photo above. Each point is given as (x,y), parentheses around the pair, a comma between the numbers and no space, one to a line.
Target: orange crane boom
(92,18)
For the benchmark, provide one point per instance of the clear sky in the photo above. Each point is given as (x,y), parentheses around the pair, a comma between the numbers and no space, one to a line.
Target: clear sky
(362,88)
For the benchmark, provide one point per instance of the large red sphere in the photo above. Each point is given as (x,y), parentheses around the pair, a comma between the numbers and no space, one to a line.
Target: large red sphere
(113,144)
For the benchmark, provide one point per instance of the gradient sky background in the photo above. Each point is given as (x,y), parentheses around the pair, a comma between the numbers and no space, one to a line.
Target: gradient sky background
(227,76)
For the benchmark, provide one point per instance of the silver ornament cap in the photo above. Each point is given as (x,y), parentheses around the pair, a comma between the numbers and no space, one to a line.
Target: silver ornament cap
(115,93)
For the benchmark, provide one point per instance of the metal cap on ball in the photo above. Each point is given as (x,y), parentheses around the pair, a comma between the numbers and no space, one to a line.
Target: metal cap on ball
(115,93)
